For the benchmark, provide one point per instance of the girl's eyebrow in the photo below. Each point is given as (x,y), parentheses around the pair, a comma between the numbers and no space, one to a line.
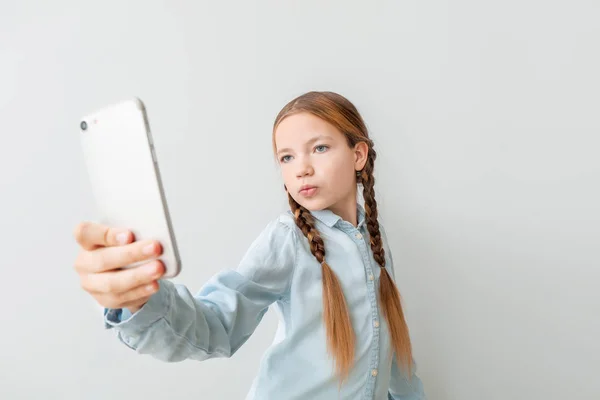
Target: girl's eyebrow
(310,141)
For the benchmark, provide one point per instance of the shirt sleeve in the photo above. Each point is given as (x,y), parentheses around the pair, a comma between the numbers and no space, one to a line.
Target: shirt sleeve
(401,387)
(175,324)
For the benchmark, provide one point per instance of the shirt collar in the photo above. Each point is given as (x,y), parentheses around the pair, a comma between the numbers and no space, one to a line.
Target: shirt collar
(329,218)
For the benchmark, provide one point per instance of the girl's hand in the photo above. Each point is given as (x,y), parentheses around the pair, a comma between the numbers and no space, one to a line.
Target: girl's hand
(104,252)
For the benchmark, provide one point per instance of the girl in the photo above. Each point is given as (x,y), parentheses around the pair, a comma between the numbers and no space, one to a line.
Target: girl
(325,263)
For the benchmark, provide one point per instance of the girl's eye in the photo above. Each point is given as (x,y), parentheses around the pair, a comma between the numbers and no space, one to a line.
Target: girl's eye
(323,147)
(284,159)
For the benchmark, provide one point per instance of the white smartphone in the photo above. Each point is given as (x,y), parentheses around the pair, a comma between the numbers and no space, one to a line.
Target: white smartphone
(125,178)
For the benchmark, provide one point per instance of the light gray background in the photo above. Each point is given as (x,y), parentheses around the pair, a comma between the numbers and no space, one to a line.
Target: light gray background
(485,116)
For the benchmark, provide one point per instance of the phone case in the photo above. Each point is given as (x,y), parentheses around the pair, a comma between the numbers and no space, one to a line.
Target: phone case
(125,178)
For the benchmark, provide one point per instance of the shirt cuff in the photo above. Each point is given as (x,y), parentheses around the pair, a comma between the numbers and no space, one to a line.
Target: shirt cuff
(155,308)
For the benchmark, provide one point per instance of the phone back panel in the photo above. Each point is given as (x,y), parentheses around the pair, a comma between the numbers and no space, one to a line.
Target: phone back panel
(125,178)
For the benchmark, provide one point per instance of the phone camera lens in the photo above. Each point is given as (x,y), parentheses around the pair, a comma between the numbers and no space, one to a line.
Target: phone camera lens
(83,125)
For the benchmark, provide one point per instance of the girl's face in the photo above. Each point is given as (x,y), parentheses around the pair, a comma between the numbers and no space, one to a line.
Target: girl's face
(317,164)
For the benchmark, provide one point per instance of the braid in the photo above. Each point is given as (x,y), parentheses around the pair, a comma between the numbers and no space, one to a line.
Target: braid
(368,181)
(340,335)
(306,223)
(389,294)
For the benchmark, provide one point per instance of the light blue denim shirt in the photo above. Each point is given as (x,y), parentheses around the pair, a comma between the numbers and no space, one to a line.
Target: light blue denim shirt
(278,269)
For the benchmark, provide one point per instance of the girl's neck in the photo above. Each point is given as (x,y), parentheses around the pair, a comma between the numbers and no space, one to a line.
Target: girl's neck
(346,209)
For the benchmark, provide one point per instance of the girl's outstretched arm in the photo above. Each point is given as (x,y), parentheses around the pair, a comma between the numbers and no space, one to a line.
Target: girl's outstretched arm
(175,324)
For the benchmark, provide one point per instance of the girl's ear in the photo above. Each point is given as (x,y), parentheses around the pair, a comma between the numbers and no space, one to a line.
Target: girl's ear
(361,152)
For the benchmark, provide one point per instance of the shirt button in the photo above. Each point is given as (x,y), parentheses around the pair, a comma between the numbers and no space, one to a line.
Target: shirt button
(371,277)
(376,324)
(374,372)
(358,235)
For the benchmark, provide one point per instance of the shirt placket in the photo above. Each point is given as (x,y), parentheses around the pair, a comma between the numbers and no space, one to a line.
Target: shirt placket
(358,236)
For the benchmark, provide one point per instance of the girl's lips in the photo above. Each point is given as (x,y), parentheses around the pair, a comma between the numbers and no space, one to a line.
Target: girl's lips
(309,191)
